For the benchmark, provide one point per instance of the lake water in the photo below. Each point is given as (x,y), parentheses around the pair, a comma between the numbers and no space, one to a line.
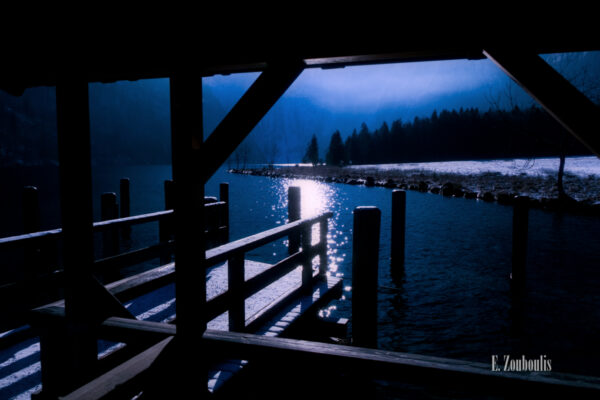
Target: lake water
(453,300)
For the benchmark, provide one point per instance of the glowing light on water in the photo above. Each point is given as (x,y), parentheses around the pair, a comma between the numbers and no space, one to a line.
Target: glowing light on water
(316,197)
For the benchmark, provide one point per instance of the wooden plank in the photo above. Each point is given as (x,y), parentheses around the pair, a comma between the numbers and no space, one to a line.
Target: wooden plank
(372,363)
(221,253)
(247,112)
(394,365)
(19,240)
(578,114)
(125,380)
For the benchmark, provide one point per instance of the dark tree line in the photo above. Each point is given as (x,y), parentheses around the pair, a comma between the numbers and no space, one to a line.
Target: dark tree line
(456,135)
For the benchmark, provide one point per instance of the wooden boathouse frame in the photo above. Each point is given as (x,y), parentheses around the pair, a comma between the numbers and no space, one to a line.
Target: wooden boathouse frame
(69,331)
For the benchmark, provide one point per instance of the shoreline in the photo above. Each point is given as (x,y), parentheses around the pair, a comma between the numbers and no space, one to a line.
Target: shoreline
(487,186)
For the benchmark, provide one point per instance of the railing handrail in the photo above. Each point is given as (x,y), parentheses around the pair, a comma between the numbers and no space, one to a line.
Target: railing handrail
(98,226)
(224,252)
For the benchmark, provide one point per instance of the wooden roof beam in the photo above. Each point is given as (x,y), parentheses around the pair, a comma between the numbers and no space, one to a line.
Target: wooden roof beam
(578,114)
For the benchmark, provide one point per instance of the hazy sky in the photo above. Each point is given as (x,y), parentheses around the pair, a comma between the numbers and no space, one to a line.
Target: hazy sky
(440,84)
(371,87)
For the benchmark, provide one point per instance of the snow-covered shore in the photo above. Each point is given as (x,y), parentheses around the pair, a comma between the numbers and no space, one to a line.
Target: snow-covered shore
(495,180)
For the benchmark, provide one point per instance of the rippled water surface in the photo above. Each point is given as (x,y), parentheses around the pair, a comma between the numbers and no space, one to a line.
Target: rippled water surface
(453,297)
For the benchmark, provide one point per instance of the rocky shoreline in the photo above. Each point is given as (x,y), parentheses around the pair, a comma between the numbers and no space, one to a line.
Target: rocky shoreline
(489,187)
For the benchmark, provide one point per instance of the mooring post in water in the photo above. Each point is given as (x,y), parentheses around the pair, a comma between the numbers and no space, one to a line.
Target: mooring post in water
(109,210)
(365,261)
(294,215)
(124,195)
(165,225)
(224,196)
(519,244)
(323,227)
(398,230)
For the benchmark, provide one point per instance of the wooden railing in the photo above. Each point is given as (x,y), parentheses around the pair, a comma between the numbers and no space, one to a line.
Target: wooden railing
(240,289)
(234,253)
(16,298)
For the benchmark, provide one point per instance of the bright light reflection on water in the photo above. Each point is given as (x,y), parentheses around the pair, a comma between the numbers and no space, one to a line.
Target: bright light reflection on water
(317,198)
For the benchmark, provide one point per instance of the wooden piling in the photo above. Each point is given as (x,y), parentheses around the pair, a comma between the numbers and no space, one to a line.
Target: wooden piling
(294,214)
(307,271)
(365,261)
(109,210)
(224,196)
(519,243)
(398,230)
(323,228)
(124,195)
(165,226)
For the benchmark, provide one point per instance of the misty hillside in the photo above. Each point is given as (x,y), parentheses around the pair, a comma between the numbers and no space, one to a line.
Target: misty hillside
(130,121)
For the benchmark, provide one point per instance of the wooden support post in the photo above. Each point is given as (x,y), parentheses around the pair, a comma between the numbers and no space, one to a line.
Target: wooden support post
(365,262)
(31,223)
(235,286)
(323,227)
(294,215)
(165,226)
(109,210)
(125,197)
(398,230)
(189,226)
(307,269)
(69,353)
(519,244)
(224,196)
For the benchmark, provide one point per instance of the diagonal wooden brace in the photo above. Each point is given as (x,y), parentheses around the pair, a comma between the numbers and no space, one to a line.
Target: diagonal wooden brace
(578,114)
(248,112)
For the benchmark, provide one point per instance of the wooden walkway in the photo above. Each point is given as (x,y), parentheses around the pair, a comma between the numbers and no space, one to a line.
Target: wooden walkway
(241,295)
(20,364)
